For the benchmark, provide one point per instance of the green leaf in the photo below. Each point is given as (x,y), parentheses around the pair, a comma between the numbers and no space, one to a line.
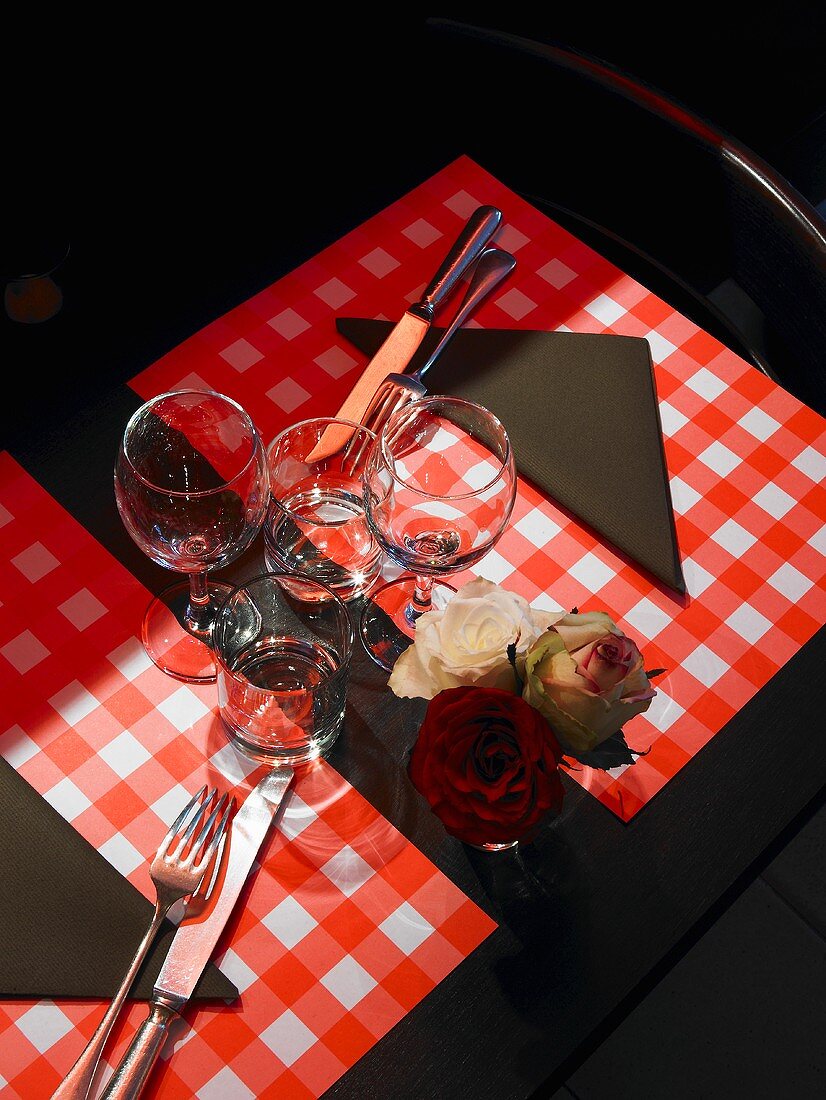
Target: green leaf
(612,753)
(654,672)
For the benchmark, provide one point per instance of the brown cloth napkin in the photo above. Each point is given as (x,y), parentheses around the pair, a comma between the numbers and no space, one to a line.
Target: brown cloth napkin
(581,411)
(69,922)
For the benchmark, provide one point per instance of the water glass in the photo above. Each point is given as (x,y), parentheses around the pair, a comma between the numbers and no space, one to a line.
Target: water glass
(282,649)
(316,524)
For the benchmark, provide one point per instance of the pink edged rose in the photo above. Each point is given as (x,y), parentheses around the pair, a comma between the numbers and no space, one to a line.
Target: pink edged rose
(587,678)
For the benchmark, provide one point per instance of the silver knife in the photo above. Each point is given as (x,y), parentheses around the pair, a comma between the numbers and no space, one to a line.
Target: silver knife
(195,940)
(401,344)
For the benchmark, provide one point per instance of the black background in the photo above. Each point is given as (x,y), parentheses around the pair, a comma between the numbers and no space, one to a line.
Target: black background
(188,163)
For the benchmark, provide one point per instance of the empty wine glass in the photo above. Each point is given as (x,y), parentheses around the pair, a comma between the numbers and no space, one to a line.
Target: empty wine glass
(192,489)
(439,488)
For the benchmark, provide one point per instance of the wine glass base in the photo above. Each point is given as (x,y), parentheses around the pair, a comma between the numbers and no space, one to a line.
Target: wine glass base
(385,627)
(175,647)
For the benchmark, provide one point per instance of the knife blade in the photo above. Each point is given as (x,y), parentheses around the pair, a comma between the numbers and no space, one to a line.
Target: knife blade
(403,340)
(195,940)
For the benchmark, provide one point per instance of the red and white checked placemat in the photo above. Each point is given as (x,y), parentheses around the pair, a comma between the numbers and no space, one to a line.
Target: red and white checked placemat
(346,926)
(745,459)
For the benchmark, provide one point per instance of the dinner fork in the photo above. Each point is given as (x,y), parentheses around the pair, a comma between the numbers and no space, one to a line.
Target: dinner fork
(398,390)
(177,872)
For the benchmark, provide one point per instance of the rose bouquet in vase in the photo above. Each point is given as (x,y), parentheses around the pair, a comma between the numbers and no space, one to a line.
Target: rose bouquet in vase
(514,694)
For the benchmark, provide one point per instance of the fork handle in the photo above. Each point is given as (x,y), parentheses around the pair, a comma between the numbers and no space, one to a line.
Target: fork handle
(128,1080)
(77,1083)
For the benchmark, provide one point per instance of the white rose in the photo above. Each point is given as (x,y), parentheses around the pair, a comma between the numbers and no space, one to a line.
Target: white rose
(466,642)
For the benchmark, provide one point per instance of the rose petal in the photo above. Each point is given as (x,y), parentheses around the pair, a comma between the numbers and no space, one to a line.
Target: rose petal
(466,642)
(561,670)
(543,620)
(409,679)
(584,627)
(571,733)
(638,689)
(605,663)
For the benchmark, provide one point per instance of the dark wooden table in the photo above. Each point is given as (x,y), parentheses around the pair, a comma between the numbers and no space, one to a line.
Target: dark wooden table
(594,909)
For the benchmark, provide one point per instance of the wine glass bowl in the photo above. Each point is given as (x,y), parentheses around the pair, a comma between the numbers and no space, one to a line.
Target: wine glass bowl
(192,490)
(439,489)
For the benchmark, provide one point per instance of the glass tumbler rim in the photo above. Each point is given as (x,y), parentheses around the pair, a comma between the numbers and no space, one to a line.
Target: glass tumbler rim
(296,427)
(256,443)
(432,399)
(341,610)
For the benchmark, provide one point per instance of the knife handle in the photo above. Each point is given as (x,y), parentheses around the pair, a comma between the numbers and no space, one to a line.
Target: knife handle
(467,247)
(494,265)
(128,1080)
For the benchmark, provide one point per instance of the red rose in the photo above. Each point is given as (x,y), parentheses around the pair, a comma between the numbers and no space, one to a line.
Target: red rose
(486,761)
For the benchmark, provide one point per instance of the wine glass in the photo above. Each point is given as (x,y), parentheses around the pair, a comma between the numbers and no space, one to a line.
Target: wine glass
(439,488)
(192,489)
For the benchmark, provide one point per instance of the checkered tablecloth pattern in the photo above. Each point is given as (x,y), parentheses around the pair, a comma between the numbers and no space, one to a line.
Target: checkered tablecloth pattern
(346,924)
(745,459)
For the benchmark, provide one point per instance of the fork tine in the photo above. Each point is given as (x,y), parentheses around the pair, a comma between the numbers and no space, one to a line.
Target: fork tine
(405,398)
(202,852)
(193,806)
(193,825)
(379,398)
(351,456)
(385,402)
(379,407)
(214,851)
(206,887)
(401,397)
(384,410)
(207,882)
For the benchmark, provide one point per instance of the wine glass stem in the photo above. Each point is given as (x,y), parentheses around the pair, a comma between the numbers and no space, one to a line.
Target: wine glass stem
(198,612)
(421,600)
